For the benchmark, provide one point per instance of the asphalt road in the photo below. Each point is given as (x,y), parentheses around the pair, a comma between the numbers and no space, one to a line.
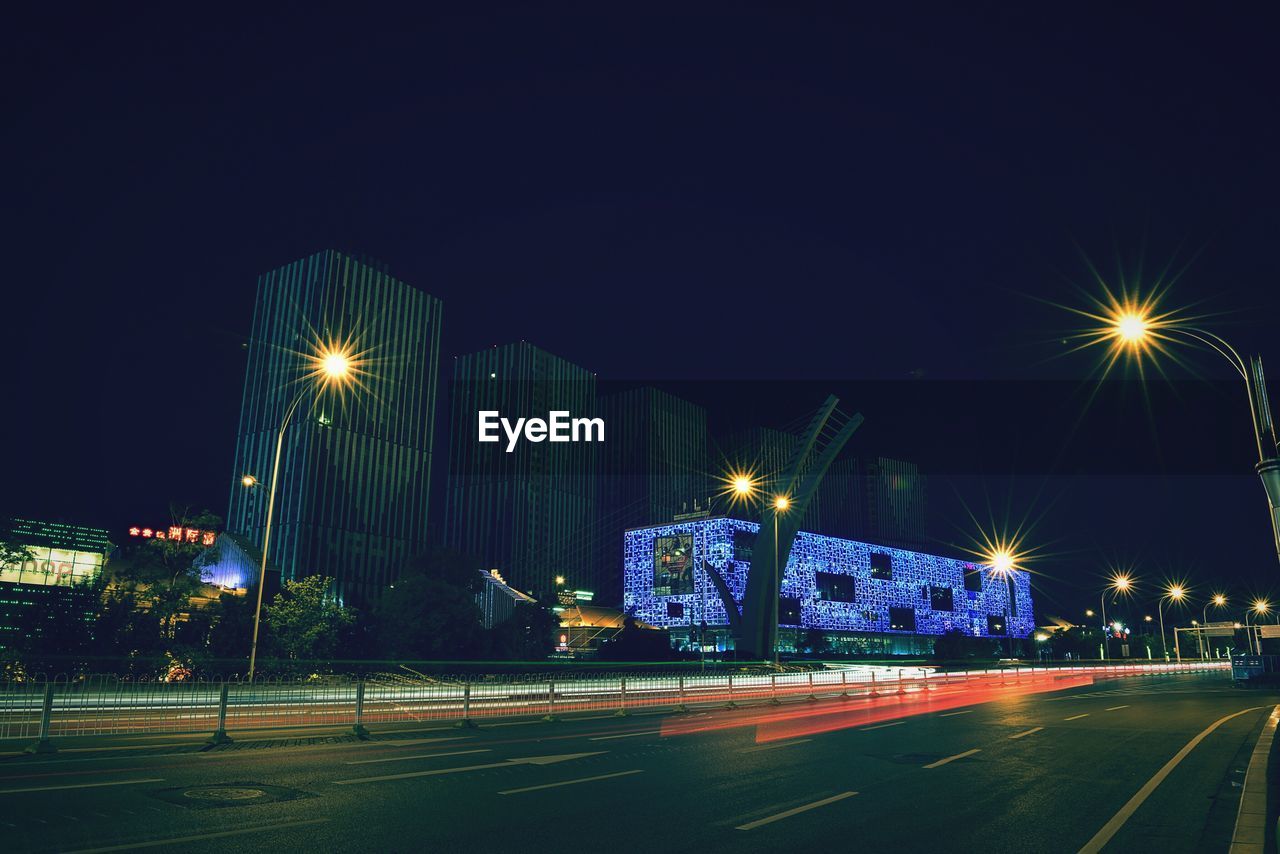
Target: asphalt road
(1015,769)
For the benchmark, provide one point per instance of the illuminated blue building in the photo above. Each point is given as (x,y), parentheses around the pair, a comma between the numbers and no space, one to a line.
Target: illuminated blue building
(860,595)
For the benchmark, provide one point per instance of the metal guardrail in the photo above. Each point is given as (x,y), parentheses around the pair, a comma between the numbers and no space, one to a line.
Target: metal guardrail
(105,705)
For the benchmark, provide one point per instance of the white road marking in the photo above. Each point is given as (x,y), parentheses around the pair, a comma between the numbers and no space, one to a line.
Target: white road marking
(571,782)
(82,786)
(953,714)
(527,760)
(202,836)
(775,744)
(418,756)
(1076,717)
(1114,708)
(1103,836)
(882,726)
(625,735)
(752,825)
(942,762)
(406,742)
(1026,732)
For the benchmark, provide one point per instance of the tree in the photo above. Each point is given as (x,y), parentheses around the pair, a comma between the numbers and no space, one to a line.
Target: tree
(431,612)
(527,635)
(306,623)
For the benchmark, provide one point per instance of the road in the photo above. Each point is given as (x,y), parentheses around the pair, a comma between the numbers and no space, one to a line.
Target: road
(1016,769)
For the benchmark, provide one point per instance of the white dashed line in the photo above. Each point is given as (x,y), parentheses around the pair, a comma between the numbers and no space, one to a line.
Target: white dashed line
(752,825)
(1076,717)
(942,762)
(1026,732)
(1114,708)
(882,726)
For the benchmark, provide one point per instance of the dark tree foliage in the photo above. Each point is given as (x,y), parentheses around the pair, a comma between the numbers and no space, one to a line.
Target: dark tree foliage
(955,645)
(430,612)
(636,644)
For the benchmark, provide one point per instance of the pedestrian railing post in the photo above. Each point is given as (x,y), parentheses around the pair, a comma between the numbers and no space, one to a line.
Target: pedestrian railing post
(844,683)
(812,696)
(773,690)
(901,688)
(466,721)
(680,706)
(874,692)
(550,716)
(220,734)
(358,726)
(622,699)
(731,704)
(43,744)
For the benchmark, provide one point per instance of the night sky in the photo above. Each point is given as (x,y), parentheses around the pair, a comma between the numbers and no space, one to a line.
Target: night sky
(877,199)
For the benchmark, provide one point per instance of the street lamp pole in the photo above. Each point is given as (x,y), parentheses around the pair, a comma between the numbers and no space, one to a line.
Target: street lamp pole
(1105,650)
(780,505)
(332,366)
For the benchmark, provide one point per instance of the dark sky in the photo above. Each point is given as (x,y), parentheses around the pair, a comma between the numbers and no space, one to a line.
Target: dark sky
(762,191)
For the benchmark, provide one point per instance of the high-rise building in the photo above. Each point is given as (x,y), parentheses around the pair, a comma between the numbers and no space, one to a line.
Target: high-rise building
(355,468)
(525,509)
(653,471)
(895,502)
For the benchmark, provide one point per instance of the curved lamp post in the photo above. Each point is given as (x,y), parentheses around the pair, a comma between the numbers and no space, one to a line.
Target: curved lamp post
(332,367)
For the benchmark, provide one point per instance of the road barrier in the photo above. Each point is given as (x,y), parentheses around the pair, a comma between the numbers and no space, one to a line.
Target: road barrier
(45,709)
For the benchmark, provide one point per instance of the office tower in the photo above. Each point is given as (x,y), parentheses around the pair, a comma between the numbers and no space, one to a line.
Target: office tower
(525,509)
(355,466)
(895,502)
(654,470)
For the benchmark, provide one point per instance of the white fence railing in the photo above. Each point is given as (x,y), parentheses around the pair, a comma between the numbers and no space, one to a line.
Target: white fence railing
(98,705)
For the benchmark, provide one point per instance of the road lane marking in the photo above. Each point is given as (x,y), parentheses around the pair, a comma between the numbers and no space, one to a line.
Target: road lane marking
(571,782)
(942,762)
(1026,732)
(953,714)
(527,760)
(418,756)
(200,837)
(1103,836)
(81,786)
(775,745)
(1114,708)
(1076,717)
(882,726)
(406,742)
(752,825)
(625,735)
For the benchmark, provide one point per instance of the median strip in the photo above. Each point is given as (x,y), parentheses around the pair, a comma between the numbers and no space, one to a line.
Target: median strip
(760,822)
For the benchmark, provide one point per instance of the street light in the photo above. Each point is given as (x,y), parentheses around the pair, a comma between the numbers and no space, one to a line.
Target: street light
(1003,564)
(1218,601)
(1175,593)
(780,505)
(1134,326)
(1121,583)
(331,366)
(1261,607)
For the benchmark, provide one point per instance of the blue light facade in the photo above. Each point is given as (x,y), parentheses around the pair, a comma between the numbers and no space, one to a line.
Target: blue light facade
(906,593)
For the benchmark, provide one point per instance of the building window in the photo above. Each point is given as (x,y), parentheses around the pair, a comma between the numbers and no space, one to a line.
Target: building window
(972,579)
(675,609)
(940,599)
(881,566)
(788,611)
(902,619)
(744,542)
(834,586)
(995,625)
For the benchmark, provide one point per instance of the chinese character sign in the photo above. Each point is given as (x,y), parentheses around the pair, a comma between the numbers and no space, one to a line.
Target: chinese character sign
(178,533)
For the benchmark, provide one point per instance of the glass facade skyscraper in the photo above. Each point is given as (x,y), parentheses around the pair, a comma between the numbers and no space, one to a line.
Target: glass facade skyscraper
(355,467)
(527,512)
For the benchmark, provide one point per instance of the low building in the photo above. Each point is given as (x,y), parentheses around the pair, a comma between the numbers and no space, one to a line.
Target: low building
(52,584)
(859,597)
(497,600)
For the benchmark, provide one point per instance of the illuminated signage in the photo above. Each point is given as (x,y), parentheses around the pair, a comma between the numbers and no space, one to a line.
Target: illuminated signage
(177,533)
(53,567)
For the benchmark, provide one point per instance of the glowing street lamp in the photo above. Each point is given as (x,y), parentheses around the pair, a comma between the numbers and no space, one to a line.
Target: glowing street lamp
(1003,563)
(330,366)
(1218,600)
(1261,607)
(1174,593)
(781,503)
(1134,327)
(1121,583)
